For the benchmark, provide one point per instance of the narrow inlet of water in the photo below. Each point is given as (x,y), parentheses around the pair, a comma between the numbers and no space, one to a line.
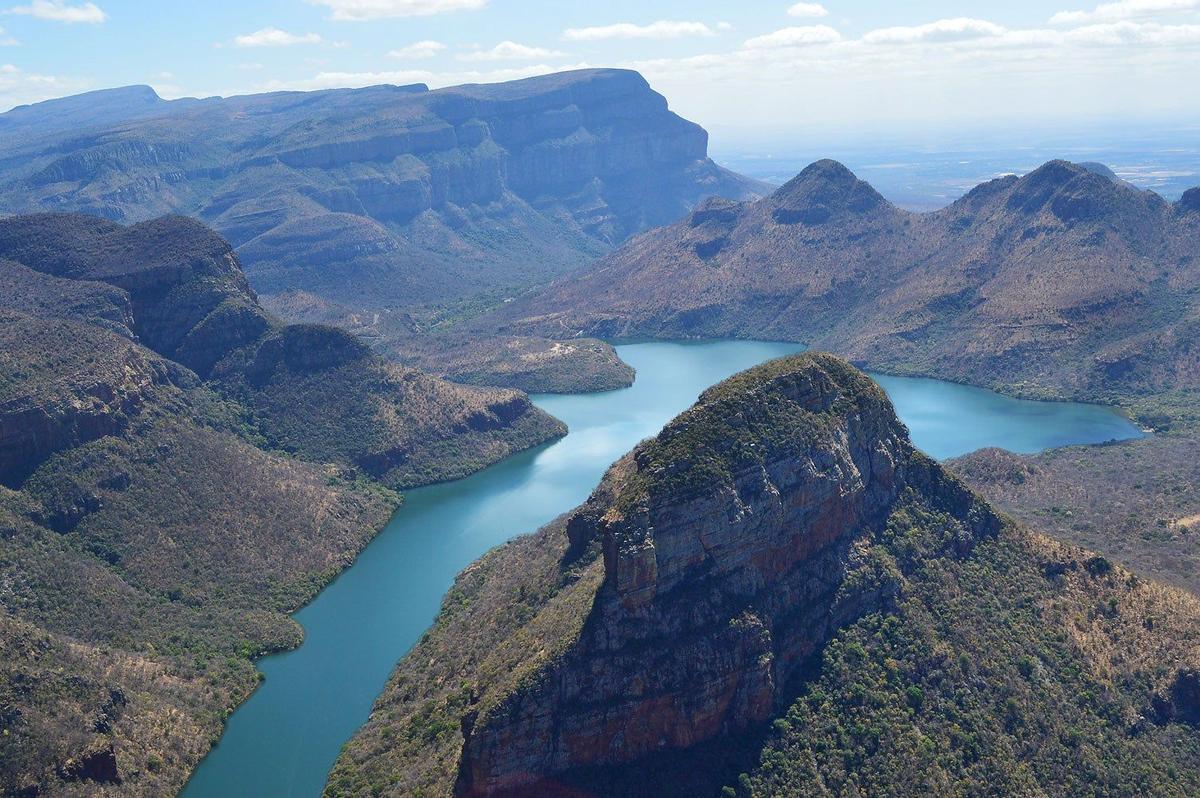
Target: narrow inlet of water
(285,738)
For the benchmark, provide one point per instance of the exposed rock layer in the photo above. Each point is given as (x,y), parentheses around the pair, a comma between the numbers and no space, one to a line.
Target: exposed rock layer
(380,196)
(726,544)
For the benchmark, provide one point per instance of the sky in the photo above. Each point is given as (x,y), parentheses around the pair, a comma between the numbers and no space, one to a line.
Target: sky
(753,68)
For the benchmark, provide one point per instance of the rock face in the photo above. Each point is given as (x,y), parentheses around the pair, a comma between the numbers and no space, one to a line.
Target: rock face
(175,287)
(727,542)
(1063,281)
(80,402)
(388,195)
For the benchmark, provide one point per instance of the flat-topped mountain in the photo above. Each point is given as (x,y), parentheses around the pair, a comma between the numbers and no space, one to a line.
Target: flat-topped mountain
(383,196)
(178,471)
(778,595)
(1062,281)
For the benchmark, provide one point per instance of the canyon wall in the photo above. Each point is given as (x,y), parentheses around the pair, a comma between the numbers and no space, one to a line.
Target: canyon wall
(383,196)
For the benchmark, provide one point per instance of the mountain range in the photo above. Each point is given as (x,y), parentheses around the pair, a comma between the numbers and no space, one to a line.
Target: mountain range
(1062,282)
(381,197)
(776,595)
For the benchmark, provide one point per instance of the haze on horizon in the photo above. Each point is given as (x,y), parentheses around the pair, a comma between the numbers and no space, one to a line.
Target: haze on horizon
(754,72)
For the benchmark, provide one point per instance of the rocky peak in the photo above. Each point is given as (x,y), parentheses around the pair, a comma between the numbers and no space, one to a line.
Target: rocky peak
(1190,202)
(824,190)
(1098,168)
(1073,195)
(728,542)
(1071,191)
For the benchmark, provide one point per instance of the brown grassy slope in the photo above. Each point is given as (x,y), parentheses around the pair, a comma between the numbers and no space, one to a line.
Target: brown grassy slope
(142,569)
(1061,282)
(1134,501)
(157,529)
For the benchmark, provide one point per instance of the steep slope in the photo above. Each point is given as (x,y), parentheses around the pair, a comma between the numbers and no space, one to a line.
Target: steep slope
(148,551)
(1060,282)
(383,196)
(307,389)
(779,585)
(178,472)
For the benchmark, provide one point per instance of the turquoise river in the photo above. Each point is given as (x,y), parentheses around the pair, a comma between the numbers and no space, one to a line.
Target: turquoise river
(283,741)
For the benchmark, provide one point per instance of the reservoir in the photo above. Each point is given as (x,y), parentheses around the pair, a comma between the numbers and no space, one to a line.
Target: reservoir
(285,738)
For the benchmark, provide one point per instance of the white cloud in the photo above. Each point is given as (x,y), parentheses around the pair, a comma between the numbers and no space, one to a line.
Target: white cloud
(1123,9)
(943,30)
(663,29)
(6,40)
(18,87)
(250,66)
(274,37)
(360,10)
(418,50)
(60,11)
(1127,33)
(795,37)
(808,10)
(511,51)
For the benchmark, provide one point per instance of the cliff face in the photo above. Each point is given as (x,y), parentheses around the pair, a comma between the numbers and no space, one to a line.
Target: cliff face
(1063,281)
(77,398)
(387,195)
(728,542)
(176,287)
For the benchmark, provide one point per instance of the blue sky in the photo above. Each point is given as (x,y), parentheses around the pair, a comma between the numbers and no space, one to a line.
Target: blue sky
(764,65)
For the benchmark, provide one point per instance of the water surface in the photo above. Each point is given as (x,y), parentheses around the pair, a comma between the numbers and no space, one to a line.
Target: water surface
(283,740)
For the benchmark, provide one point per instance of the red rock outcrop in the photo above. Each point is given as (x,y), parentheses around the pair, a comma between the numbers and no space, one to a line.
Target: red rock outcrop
(727,542)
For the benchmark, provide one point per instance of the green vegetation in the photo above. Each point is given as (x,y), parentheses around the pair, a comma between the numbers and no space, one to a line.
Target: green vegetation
(400,427)
(140,579)
(993,665)
(775,409)
(1135,502)
(1015,672)
(156,528)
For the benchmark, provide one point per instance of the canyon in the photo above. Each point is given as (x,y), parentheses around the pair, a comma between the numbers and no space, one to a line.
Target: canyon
(698,613)
(382,197)
(179,471)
